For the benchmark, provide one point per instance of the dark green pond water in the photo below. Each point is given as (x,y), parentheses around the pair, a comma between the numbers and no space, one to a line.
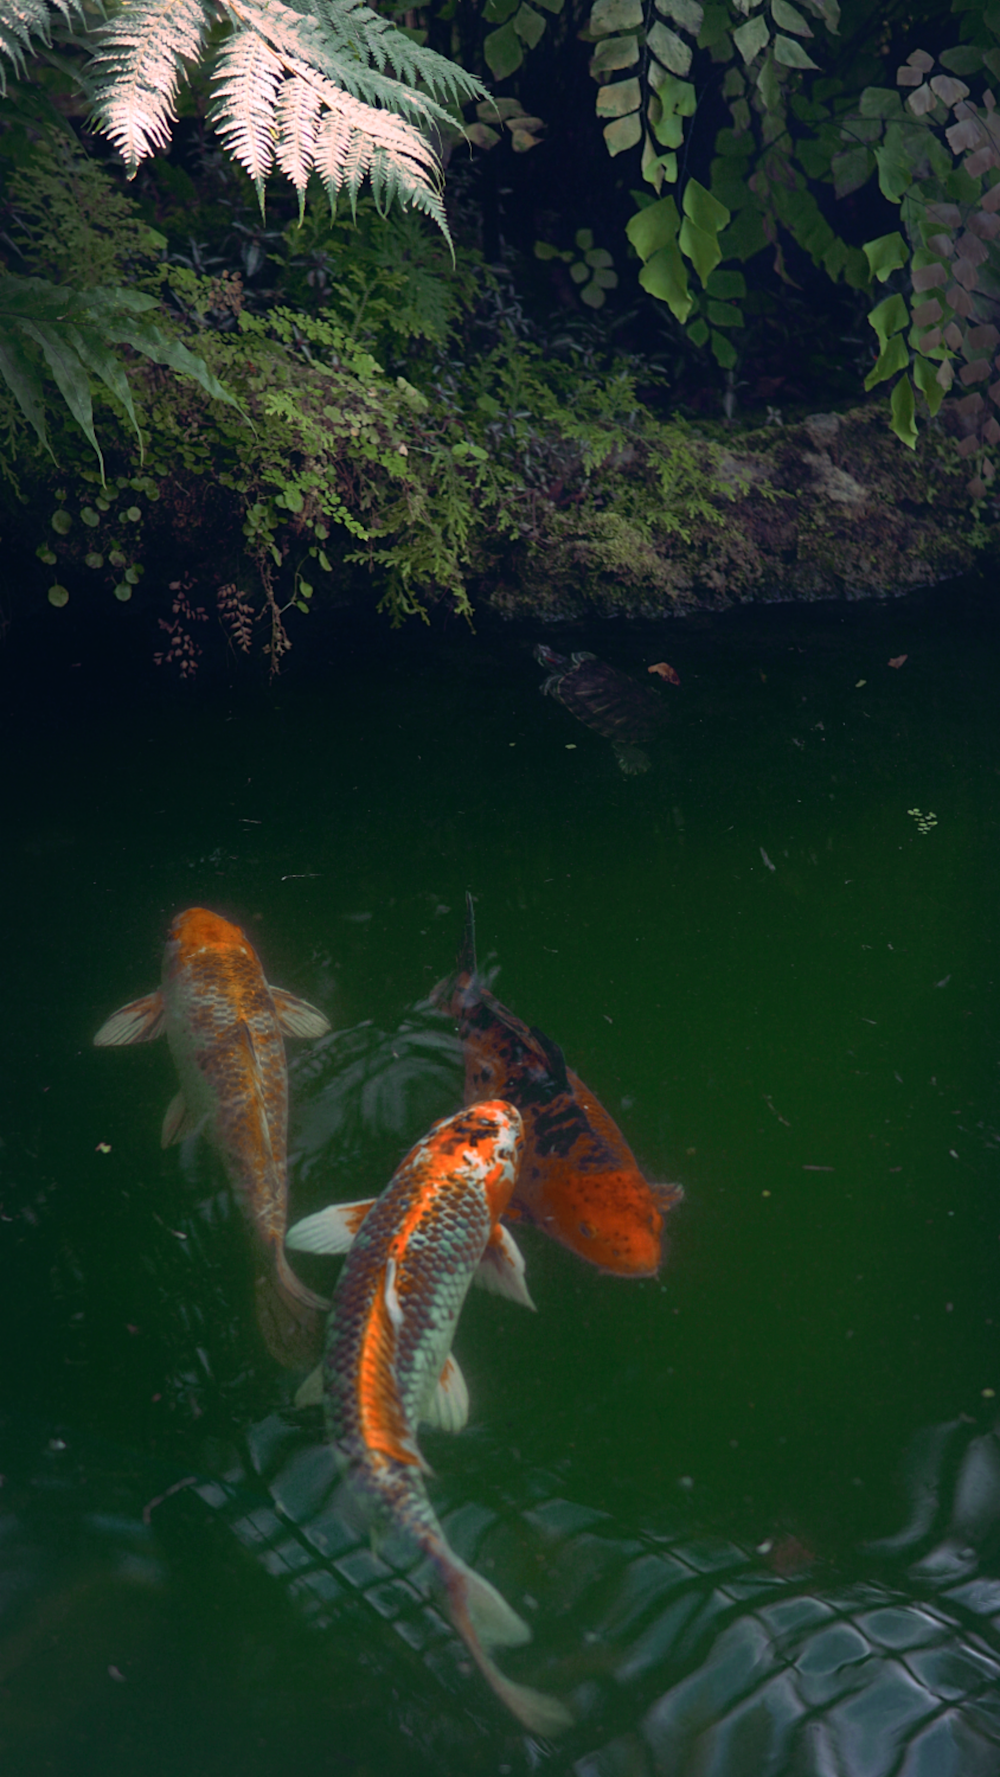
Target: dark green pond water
(752,1507)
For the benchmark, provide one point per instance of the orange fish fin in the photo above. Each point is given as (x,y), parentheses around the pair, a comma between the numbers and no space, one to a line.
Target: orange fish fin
(296,1017)
(330,1230)
(178,1123)
(449,1404)
(138,1022)
(501,1269)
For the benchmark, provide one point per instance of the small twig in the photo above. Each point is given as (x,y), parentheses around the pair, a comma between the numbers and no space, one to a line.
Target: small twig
(148,1510)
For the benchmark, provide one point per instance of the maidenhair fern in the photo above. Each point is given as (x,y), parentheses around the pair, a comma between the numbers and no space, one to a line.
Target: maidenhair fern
(329,88)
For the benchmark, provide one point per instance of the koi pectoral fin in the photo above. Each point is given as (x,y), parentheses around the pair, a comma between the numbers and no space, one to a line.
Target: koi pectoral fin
(138,1022)
(310,1392)
(178,1123)
(449,1404)
(330,1230)
(296,1017)
(501,1268)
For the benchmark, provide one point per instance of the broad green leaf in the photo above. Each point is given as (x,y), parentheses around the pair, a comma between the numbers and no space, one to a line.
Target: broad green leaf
(885,255)
(787,19)
(829,12)
(654,227)
(791,54)
(895,171)
(745,236)
(895,357)
(705,211)
(701,247)
(768,84)
(95,355)
(579,272)
(727,285)
(714,26)
(669,49)
(584,239)
(599,258)
(623,133)
(503,51)
(529,25)
(605,278)
(496,12)
(678,95)
(903,417)
(752,37)
(925,377)
(888,318)
(723,350)
(618,99)
(698,331)
(614,53)
(669,129)
(689,14)
(665,277)
(963,59)
(615,15)
(724,314)
(144,337)
(880,101)
(851,170)
(593,296)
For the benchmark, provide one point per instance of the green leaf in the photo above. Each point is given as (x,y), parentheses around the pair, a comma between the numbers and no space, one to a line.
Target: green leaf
(723,350)
(744,237)
(25,385)
(851,170)
(964,59)
(895,357)
(895,171)
(723,314)
(654,227)
(503,52)
(925,377)
(71,377)
(529,25)
(752,37)
(669,130)
(888,318)
(791,54)
(618,99)
(58,596)
(615,15)
(787,19)
(623,133)
(698,332)
(903,419)
(768,84)
(669,49)
(727,285)
(614,53)
(880,101)
(705,211)
(497,12)
(665,277)
(701,247)
(689,14)
(885,255)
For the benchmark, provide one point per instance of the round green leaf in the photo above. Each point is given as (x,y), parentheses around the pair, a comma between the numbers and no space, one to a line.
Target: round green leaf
(134,513)
(579,272)
(90,517)
(593,296)
(61,521)
(94,559)
(47,555)
(123,591)
(58,595)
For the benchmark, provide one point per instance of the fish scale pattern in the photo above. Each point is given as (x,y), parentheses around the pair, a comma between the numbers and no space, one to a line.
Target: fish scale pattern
(684,1656)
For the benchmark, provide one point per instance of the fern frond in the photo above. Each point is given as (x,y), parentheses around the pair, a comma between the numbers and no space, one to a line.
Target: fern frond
(247,81)
(137,70)
(355,139)
(377,39)
(22,21)
(297,120)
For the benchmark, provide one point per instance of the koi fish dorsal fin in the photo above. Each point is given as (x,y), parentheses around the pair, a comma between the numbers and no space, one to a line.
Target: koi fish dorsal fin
(138,1022)
(501,1269)
(449,1404)
(330,1230)
(178,1123)
(296,1017)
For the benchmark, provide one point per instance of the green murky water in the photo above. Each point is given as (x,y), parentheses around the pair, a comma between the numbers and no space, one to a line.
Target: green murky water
(753,1507)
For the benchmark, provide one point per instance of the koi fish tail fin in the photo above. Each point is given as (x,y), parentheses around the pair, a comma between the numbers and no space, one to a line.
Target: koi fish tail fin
(294,1289)
(485,1620)
(292,1332)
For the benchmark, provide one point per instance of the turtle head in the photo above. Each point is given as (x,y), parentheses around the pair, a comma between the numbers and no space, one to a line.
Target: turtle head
(547,656)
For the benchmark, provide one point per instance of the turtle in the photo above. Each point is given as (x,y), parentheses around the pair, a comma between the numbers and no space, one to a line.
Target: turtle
(606,700)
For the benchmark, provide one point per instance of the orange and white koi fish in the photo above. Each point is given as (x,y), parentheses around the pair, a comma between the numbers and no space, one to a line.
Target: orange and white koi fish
(225,1028)
(579,1180)
(388,1364)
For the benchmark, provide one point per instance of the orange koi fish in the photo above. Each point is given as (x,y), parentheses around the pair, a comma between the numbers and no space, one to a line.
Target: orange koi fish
(225,1026)
(388,1364)
(579,1181)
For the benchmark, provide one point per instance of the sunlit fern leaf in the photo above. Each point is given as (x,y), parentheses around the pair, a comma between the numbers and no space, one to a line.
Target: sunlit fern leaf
(300,105)
(247,80)
(22,22)
(137,70)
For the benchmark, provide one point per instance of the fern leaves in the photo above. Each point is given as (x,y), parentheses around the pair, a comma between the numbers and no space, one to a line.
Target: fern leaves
(331,88)
(75,332)
(24,21)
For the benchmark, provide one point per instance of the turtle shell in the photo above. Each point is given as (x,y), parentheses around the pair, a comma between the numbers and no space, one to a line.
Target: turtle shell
(607,700)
